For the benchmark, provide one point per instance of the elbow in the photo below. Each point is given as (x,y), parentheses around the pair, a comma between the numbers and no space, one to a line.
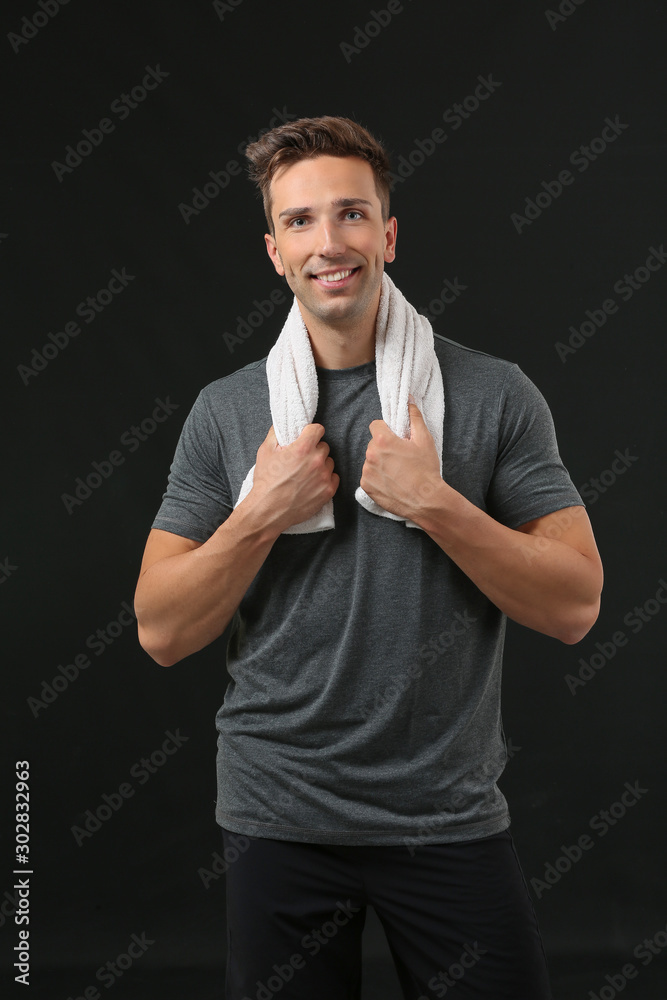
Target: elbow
(579,623)
(163,657)
(582,616)
(158,649)
(153,639)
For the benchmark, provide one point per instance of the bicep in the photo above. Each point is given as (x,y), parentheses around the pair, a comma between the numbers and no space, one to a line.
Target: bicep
(162,544)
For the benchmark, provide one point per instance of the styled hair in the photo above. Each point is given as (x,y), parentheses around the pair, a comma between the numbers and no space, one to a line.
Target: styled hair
(308,138)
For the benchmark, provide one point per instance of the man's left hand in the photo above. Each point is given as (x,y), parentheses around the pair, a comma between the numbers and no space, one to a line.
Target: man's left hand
(401,474)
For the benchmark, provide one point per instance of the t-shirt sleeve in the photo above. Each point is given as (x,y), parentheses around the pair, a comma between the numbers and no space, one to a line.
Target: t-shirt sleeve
(197,499)
(529,479)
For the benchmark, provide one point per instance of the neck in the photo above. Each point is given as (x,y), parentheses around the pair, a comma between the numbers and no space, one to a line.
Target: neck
(331,350)
(342,347)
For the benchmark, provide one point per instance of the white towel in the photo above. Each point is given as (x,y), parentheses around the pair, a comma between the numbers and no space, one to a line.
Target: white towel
(406,365)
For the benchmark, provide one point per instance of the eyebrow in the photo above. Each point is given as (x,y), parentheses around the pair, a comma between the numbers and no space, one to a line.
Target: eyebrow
(338,203)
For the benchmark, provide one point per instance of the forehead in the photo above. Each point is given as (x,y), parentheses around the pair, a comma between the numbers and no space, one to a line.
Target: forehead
(322,179)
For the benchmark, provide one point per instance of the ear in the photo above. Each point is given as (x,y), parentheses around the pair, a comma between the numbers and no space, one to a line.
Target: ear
(390,239)
(272,251)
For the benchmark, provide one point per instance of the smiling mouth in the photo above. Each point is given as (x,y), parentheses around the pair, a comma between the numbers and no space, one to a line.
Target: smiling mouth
(336,279)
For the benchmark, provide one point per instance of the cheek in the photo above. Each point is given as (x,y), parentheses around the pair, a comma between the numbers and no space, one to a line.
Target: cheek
(376,249)
(291,263)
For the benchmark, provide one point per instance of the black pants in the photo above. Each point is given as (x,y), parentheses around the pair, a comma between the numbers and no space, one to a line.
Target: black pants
(458,919)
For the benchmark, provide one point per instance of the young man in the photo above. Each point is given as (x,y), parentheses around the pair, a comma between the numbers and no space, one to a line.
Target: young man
(360,736)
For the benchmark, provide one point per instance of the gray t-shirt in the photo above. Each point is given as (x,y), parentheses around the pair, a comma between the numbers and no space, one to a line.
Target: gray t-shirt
(364,699)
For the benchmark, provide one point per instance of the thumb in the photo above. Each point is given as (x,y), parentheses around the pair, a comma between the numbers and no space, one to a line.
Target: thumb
(271,440)
(417,423)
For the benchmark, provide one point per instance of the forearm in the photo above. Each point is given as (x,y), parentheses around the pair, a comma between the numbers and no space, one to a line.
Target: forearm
(185,601)
(537,581)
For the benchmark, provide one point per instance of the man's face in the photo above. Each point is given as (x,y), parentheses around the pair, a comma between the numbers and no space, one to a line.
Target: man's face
(330,241)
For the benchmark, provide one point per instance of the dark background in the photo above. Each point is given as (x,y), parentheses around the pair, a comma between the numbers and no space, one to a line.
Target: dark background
(69,566)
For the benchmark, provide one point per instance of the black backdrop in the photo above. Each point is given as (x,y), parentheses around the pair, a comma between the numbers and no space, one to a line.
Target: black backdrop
(540,200)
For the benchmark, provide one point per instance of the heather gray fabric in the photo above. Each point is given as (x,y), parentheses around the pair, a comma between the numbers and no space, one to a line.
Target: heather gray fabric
(364,700)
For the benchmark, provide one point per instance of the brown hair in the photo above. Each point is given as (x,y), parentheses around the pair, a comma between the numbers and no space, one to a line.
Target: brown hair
(308,138)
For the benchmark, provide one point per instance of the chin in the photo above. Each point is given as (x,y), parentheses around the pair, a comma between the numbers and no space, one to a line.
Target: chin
(342,314)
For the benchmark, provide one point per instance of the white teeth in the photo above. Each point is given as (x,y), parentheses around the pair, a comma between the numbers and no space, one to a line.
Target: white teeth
(338,276)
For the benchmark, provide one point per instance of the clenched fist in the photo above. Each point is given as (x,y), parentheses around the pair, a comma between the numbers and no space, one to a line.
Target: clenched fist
(400,474)
(295,480)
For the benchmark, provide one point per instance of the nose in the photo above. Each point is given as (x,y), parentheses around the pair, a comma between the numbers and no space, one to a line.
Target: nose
(330,242)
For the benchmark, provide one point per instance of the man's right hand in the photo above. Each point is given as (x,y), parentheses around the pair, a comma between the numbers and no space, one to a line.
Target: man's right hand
(188,591)
(296,480)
